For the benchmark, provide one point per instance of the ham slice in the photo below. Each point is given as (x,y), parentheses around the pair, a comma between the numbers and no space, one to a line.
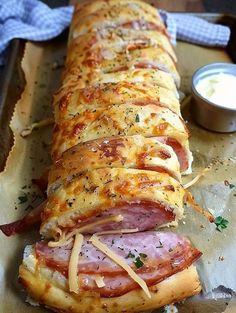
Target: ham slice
(32,218)
(161,255)
(150,198)
(178,149)
(143,215)
(144,25)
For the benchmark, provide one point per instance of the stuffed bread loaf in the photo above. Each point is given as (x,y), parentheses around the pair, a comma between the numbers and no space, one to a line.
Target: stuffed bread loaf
(119,148)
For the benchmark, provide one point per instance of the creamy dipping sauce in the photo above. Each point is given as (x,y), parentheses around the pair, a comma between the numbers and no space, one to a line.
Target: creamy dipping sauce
(219,89)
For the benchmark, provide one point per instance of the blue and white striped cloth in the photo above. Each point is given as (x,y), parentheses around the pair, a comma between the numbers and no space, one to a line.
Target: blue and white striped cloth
(34,20)
(187,27)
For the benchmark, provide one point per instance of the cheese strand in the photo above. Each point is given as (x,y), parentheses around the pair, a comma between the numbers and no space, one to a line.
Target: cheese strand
(196,178)
(65,239)
(45,122)
(197,207)
(118,231)
(73,263)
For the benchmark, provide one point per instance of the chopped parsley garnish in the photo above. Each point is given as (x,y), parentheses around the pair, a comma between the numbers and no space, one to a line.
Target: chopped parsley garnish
(231,186)
(23,198)
(130,255)
(138,262)
(137,119)
(143,255)
(161,245)
(69,202)
(221,223)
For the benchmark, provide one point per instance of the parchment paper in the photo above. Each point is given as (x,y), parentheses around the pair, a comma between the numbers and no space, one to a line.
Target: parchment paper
(27,160)
(29,157)
(217,266)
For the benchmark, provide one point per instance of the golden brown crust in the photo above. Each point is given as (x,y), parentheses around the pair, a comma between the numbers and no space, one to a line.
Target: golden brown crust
(115,152)
(101,47)
(46,289)
(95,191)
(89,7)
(161,78)
(123,120)
(119,40)
(105,53)
(70,101)
(124,38)
(102,14)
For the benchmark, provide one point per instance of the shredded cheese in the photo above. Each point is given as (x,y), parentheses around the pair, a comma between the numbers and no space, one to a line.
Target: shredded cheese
(73,263)
(197,208)
(65,239)
(59,231)
(118,231)
(28,130)
(196,179)
(114,257)
(113,218)
(99,280)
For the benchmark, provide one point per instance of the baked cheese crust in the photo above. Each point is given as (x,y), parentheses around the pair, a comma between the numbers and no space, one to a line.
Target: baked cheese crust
(95,191)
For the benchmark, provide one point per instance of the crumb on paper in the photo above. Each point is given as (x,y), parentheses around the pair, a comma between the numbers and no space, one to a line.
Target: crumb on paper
(28,130)
(56,65)
(211,211)
(170,308)
(31,301)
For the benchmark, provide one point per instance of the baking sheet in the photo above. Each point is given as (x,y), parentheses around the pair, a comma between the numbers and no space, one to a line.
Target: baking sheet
(29,157)
(212,192)
(11,87)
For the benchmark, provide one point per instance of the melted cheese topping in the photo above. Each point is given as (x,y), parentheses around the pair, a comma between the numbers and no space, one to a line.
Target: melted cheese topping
(73,263)
(65,239)
(114,257)
(196,207)
(118,231)
(196,179)
(114,218)
(99,280)
(45,122)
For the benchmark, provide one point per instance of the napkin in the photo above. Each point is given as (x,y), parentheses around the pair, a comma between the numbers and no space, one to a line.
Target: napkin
(187,27)
(32,20)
